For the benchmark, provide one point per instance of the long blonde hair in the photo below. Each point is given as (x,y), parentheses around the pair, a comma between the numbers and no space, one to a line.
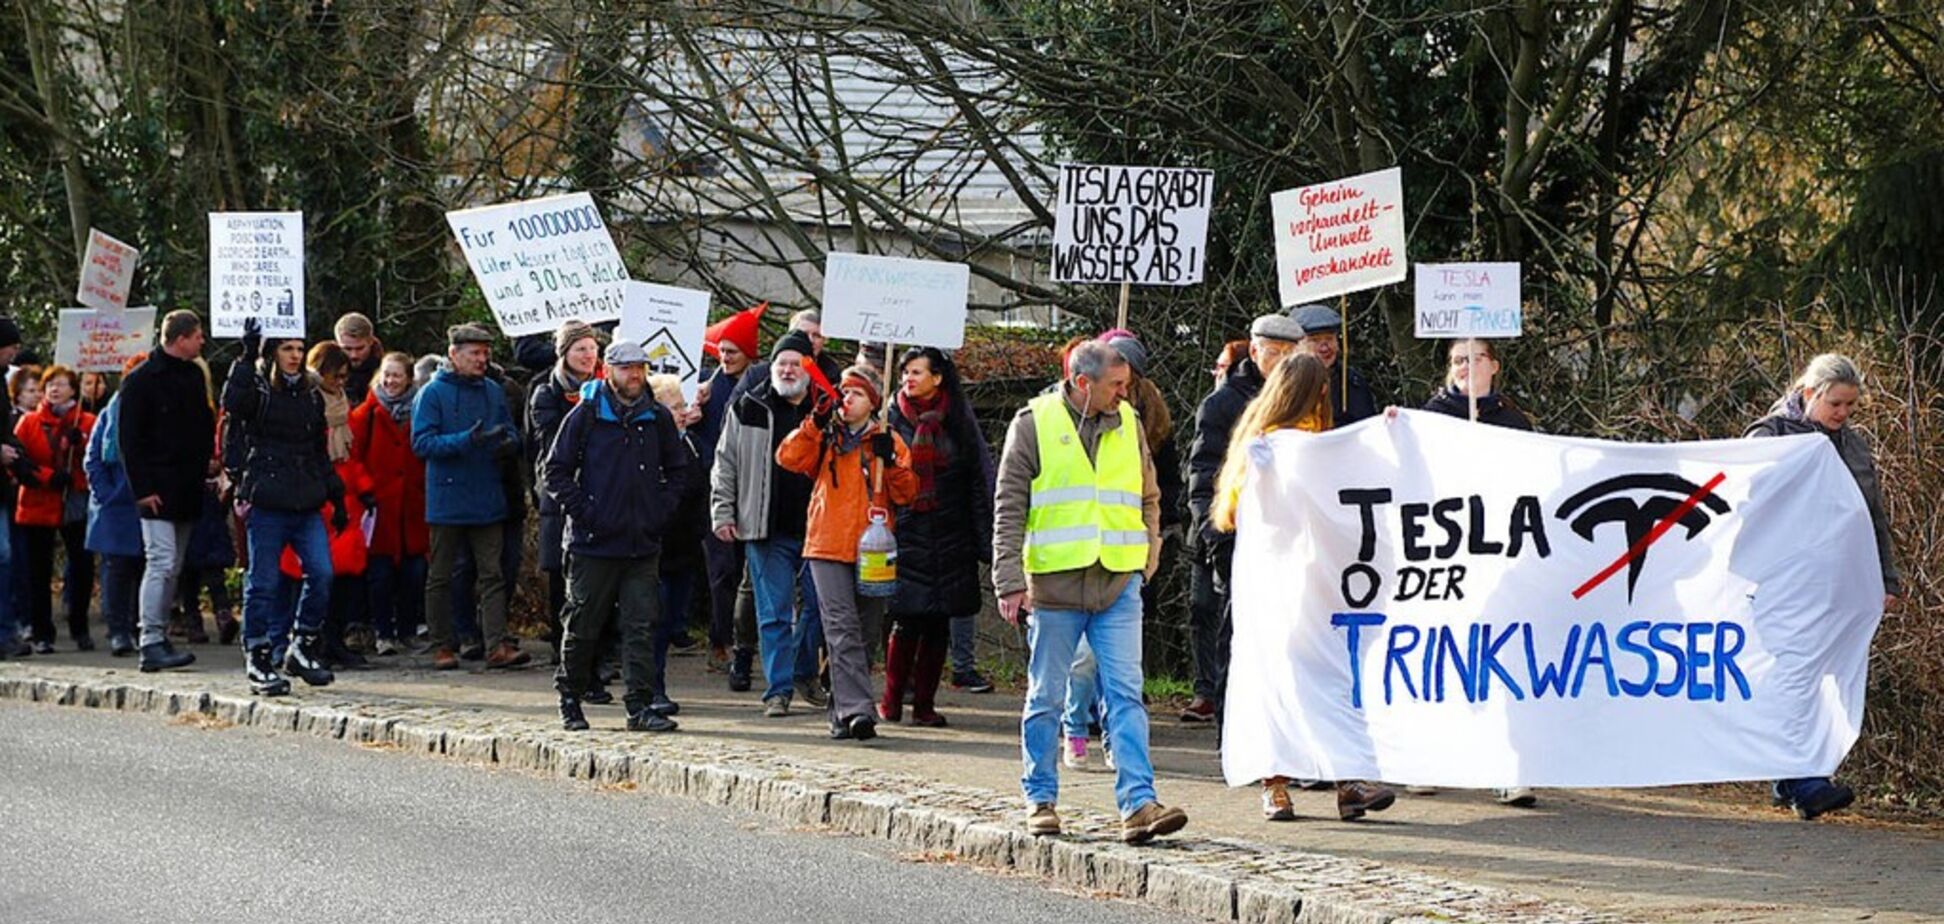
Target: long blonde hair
(1296,397)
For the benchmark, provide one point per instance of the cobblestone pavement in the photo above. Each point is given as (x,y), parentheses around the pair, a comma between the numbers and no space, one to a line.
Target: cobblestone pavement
(1689,854)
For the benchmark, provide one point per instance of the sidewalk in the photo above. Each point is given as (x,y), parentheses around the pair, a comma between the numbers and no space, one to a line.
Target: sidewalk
(1686,854)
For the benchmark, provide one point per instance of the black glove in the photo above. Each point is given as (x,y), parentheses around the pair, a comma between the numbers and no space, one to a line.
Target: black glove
(252,338)
(60,480)
(340,518)
(885,449)
(368,500)
(479,435)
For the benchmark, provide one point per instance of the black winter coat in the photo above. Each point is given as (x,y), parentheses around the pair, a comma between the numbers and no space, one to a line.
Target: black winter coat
(939,550)
(1349,405)
(1214,421)
(618,479)
(286,462)
(682,540)
(547,406)
(1492,409)
(168,435)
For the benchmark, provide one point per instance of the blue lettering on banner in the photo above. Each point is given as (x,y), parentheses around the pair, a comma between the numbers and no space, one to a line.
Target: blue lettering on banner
(1462,661)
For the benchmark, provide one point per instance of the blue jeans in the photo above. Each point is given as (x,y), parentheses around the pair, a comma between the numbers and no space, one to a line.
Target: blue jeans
(1083,693)
(788,640)
(397,594)
(1115,635)
(266,623)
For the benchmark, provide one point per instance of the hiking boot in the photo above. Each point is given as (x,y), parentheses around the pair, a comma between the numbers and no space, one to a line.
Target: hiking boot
(839,730)
(660,704)
(1151,821)
(972,682)
(1517,797)
(813,692)
(597,696)
(571,716)
(648,720)
(739,668)
(261,669)
(506,654)
(1275,800)
(161,656)
(862,727)
(445,659)
(1813,798)
(776,707)
(1043,820)
(306,660)
(1201,710)
(1356,798)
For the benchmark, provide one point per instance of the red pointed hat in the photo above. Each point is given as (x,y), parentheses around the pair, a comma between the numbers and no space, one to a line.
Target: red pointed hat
(738,328)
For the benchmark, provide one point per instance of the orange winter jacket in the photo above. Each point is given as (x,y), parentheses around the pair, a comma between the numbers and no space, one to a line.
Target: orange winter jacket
(841,502)
(52,444)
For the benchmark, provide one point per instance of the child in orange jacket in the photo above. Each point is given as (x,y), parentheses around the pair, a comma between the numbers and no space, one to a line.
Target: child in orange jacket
(860,467)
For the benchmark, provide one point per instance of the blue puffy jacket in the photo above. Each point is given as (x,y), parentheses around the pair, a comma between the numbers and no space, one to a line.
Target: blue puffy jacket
(462,476)
(114,525)
(619,479)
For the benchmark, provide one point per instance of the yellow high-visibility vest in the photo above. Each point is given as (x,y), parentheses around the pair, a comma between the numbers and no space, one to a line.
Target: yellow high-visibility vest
(1084,512)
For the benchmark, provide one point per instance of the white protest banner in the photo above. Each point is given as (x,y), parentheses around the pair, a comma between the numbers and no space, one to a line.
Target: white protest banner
(1339,237)
(542,262)
(669,322)
(894,300)
(91,340)
(107,273)
(1140,225)
(1468,300)
(1428,601)
(256,270)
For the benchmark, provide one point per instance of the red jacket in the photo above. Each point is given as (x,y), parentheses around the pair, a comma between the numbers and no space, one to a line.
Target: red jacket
(384,449)
(347,548)
(52,444)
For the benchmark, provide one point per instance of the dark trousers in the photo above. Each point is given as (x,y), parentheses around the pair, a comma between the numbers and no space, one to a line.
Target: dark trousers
(1208,633)
(396,590)
(602,591)
(121,585)
(486,544)
(676,589)
(726,583)
(192,583)
(40,578)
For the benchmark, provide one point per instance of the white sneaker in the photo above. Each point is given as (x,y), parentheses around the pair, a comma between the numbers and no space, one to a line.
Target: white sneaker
(1073,754)
(1106,754)
(1517,796)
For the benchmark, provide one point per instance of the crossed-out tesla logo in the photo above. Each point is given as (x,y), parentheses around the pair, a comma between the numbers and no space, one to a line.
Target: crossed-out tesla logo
(1670,501)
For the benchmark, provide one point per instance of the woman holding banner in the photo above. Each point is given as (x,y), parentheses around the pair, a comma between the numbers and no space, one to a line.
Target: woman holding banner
(1472,367)
(1821,401)
(1295,397)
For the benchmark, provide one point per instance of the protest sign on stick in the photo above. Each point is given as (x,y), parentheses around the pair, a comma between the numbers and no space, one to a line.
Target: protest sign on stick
(1131,225)
(542,262)
(256,270)
(670,323)
(1465,300)
(92,340)
(874,299)
(1339,237)
(107,273)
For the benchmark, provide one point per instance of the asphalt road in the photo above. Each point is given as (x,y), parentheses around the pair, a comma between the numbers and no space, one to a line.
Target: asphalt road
(112,818)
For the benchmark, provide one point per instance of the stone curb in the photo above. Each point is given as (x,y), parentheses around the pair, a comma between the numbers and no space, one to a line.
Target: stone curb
(1211,878)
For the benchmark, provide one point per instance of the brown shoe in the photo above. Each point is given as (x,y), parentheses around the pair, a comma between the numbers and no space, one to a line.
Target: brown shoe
(445,659)
(1151,821)
(1201,710)
(1044,819)
(1275,800)
(1356,797)
(506,654)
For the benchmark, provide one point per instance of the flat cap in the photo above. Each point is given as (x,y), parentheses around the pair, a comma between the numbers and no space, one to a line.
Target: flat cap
(1276,327)
(468,332)
(1317,319)
(626,353)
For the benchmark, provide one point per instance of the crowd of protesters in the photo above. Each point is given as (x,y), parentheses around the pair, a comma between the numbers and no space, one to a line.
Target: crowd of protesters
(377,503)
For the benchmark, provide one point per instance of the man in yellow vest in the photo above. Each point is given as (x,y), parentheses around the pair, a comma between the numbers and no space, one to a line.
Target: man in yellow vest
(1076,529)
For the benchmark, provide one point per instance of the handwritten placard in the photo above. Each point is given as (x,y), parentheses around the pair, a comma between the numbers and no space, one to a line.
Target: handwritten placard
(1141,225)
(91,340)
(1468,300)
(1338,237)
(256,270)
(542,262)
(107,273)
(669,322)
(894,300)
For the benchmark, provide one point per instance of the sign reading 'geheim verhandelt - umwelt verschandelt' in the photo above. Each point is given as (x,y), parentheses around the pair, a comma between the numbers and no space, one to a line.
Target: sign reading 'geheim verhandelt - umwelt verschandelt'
(1468,300)
(542,261)
(1339,237)
(1139,225)
(1428,601)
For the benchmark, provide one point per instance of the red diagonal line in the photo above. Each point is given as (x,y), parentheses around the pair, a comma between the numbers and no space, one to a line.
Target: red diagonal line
(1660,529)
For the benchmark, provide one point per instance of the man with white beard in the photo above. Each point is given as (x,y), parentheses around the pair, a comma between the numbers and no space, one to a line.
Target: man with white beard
(757,502)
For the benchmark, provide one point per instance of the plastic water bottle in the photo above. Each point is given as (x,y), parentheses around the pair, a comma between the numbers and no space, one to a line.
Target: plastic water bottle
(877,558)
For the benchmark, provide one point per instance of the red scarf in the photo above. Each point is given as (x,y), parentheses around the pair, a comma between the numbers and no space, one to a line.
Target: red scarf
(929,453)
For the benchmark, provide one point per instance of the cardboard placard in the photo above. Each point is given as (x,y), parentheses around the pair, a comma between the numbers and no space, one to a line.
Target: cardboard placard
(92,340)
(107,273)
(1342,236)
(1139,225)
(669,322)
(542,261)
(1468,300)
(256,270)
(894,300)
